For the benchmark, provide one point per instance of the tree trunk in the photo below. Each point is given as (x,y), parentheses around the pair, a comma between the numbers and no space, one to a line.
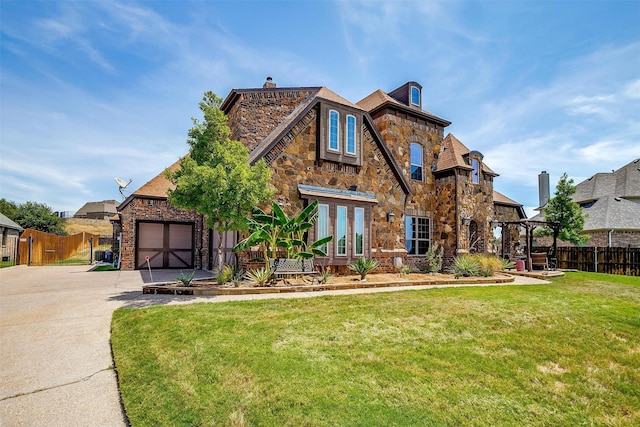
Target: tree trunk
(220,258)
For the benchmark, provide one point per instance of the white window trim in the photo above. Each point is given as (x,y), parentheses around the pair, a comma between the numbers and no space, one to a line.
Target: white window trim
(411,164)
(355,135)
(346,231)
(412,88)
(355,231)
(335,150)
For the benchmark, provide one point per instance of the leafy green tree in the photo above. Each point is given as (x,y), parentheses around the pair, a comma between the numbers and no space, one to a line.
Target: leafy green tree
(215,178)
(39,216)
(567,213)
(8,209)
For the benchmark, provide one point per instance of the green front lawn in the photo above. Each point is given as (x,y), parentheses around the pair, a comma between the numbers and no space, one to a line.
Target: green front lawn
(560,354)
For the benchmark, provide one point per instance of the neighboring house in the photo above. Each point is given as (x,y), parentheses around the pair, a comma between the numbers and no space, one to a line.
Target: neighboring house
(388,183)
(10,234)
(98,210)
(611,201)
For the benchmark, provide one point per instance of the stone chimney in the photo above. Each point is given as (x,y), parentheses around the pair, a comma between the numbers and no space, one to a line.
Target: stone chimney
(543,188)
(269,83)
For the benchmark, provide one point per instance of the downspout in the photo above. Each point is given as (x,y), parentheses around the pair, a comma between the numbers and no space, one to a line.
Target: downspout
(610,233)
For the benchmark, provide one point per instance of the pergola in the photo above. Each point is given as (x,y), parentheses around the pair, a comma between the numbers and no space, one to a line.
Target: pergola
(529,226)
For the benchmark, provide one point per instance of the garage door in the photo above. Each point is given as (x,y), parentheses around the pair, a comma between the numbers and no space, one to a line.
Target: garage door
(168,245)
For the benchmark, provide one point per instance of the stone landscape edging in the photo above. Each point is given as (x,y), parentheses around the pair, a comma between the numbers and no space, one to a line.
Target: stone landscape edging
(203,291)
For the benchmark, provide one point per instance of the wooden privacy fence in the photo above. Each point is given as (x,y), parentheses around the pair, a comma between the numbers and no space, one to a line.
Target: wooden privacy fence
(624,261)
(40,248)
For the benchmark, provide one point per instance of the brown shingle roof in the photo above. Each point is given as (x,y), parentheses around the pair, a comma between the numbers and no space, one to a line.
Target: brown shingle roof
(380,98)
(158,185)
(453,156)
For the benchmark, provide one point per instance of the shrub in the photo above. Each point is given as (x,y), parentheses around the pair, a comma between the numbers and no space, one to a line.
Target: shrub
(364,266)
(185,279)
(226,274)
(489,264)
(465,266)
(259,275)
(403,270)
(434,258)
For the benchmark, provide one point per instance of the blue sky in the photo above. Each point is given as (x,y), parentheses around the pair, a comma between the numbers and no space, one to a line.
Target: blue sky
(91,90)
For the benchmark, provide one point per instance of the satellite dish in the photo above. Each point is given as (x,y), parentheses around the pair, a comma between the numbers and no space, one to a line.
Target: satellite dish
(122,184)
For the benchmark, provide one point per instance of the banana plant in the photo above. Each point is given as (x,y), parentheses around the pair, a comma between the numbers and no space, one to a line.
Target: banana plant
(277,230)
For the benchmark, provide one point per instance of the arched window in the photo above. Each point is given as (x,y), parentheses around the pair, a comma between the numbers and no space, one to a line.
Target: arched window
(415,96)
(416,162)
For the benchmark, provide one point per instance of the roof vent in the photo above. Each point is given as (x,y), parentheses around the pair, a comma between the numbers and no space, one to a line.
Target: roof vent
(269,83)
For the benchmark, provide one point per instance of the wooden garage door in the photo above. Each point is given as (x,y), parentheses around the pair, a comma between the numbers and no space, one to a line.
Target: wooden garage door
(168,245)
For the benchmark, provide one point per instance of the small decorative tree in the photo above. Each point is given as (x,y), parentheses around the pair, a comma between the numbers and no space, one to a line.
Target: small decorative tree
(216,178)
(434,258)
(564,211)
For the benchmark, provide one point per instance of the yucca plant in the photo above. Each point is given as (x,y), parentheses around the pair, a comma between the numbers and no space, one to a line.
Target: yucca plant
(185,279)
(506,264)
(465,266)
(364,266)
(261,276)
(324,274)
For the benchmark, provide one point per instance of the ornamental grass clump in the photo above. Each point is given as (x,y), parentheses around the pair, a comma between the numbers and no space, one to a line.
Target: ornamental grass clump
(364,266)
(489,264)
(226,274)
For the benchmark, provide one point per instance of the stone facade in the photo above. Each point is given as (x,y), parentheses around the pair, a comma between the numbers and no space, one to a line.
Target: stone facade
(157,210)
(256,113)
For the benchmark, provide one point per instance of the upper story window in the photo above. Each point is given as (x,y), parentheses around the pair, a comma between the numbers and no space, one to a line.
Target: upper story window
(475,174)
(334,130)
(351,134)
(416,162)
(415,96)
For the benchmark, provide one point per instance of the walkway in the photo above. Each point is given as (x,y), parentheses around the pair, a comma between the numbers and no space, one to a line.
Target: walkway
(56,367)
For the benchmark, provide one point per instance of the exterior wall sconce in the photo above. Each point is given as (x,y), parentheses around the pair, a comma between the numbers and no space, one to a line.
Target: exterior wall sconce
(466,220)
(391,217)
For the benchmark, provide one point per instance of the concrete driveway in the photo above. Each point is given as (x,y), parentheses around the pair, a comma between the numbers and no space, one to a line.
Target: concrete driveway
(56,367)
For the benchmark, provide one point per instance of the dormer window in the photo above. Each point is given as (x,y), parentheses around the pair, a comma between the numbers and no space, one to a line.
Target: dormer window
(475,174)
(351,134)
(334,130)
(415,96)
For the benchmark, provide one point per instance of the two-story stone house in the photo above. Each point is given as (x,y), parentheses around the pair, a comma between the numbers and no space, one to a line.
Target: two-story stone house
(388,183)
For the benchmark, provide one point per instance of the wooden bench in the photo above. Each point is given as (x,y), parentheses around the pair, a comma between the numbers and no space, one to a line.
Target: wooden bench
(539,259)
(284,268)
